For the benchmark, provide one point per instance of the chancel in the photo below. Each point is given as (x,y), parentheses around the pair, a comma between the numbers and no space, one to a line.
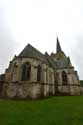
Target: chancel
(32,74)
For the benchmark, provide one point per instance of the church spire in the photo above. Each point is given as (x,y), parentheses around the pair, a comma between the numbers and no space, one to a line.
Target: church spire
(58,49)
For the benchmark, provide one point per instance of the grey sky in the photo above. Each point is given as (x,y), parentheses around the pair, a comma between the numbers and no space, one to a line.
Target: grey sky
(38,22)
(7,41)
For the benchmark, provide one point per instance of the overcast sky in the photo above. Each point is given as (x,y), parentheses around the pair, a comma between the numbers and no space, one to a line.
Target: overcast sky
(38,22)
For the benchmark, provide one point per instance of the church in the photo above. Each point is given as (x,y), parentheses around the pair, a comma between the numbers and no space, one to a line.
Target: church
(34,75)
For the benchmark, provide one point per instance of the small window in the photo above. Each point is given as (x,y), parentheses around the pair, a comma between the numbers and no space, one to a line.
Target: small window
(26,72)
(39,73)
(64,78)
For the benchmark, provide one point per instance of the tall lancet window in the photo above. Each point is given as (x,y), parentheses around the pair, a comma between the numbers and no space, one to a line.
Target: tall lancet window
(26,72)
(39,73)
(64,78)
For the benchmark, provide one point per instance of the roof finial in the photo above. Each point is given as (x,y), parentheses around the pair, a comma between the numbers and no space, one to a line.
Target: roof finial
(58,49)
(69,61)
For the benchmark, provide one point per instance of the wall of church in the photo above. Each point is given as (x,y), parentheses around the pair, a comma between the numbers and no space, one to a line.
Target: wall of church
(71,75)
(47,73)
(73,85)
(37,89)
(25,90)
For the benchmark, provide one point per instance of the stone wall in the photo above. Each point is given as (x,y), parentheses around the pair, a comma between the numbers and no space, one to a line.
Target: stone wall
(35,90)
(25,90)
(69,90)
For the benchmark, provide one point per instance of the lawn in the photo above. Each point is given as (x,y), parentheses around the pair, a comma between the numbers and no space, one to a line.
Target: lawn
(52,111)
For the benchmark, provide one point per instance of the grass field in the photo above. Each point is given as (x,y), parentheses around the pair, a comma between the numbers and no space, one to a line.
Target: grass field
(52,111)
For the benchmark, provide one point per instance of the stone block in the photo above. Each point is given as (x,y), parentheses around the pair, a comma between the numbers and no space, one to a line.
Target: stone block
(11,90)
(35,91)
(65,89)
(72,90)
(46,90)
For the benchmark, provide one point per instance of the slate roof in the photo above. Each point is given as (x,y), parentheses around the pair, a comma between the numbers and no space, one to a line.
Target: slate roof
(50,60)
(31,52)
(57,60)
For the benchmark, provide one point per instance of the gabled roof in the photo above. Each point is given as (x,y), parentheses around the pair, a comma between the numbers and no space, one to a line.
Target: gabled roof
(58,60)
(30,52)
(63,62)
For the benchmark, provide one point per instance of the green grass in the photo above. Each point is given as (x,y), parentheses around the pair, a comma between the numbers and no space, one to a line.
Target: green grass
(52,111)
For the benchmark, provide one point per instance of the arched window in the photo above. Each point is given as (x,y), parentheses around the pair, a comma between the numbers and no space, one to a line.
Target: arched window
(64,78)
(26,72)
(39,73)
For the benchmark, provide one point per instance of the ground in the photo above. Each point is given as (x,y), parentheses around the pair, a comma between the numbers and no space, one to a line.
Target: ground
(52,111)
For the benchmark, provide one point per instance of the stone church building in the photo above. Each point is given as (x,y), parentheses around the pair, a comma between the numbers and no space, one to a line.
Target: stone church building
(34,75)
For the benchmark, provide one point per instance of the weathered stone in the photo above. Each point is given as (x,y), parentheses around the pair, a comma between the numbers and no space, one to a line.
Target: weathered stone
(11,90)
(35,91)
(65,89)
(46,90)
(56,75)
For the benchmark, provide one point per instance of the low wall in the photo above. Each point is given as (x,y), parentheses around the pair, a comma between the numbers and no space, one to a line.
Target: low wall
(36,90)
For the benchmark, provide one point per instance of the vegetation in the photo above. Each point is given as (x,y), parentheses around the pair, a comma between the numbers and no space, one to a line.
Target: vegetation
(52,111)
(81,81)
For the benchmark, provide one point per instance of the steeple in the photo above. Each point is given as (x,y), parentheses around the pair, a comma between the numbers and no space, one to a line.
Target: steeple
(58,48)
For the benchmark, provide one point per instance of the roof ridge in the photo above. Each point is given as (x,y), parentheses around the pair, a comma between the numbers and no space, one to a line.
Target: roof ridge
(29,45)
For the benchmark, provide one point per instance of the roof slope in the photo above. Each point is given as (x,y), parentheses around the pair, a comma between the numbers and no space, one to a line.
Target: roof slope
(50,60)
(57,60)
(30,52)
